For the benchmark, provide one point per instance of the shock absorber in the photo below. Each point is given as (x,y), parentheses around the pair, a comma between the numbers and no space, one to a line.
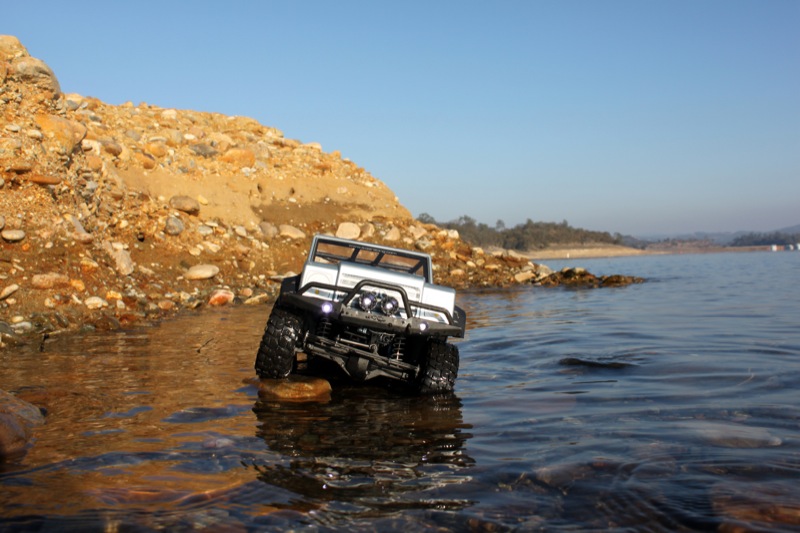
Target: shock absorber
(398,347)
(323,327)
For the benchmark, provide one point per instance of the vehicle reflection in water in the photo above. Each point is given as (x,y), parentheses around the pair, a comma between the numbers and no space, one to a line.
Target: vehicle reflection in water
(366,451)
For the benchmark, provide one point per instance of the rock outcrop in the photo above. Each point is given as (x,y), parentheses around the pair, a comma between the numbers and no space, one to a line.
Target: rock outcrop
(113,214)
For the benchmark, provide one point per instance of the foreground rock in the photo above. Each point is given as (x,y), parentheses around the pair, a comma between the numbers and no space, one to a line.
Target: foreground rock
(18,418)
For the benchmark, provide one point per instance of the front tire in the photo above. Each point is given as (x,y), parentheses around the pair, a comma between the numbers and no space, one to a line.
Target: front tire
(439,369)
(276,353)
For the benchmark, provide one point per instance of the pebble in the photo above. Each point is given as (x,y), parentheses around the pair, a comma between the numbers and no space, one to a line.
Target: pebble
(8,291)
(49,280)
(123,261)
(285,230)
(268,230)
(12,235)
(348,230)
(200,272)
(95,302)
(173,226)
(187,204)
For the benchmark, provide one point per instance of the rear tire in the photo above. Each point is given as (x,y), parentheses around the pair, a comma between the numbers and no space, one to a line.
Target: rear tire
(439,369)
(276,353)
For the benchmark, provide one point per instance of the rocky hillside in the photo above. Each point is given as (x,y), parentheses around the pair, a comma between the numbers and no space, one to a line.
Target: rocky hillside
(113,214)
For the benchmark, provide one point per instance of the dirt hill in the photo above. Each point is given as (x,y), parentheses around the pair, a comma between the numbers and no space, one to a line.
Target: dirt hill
(110,215)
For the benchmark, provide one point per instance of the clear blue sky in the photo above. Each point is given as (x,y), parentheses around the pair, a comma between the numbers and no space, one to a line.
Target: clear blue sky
(633,116)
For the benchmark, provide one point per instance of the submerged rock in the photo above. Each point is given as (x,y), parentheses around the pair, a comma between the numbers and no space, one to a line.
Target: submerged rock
(766,506)
(730,435)
(17,420)
(294,388)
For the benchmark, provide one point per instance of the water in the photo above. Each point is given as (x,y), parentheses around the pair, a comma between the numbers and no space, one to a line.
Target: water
(666,406)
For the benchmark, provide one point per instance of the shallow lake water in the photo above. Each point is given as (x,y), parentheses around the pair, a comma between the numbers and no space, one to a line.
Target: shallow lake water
(667,406)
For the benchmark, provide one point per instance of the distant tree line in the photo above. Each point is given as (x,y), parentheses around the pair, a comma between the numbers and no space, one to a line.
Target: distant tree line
(765,239)
(527,236)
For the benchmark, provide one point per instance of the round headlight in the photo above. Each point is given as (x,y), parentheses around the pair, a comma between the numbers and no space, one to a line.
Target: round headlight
(389,305)
(368,301)
(327,307)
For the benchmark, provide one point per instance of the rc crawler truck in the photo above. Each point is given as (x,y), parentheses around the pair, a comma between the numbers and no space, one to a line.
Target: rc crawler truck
(372,310)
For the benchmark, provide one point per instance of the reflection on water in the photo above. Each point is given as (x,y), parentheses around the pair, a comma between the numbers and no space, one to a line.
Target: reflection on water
(366,452)
(667,406)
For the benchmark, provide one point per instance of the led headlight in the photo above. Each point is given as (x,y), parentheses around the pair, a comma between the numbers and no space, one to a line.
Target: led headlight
(327,307)
(368,301)
(389,305)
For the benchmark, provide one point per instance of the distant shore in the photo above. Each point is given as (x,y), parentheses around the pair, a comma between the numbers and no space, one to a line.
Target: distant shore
(599,251)
(584,252)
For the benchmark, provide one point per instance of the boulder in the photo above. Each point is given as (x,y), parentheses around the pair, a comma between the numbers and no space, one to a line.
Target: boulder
(36,71)
(61,135)
(11,48)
